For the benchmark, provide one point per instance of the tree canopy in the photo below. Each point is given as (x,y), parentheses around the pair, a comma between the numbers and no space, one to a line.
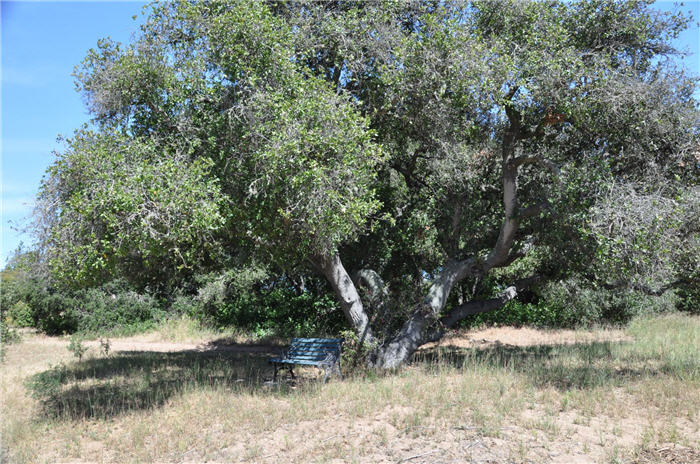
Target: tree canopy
(399,149)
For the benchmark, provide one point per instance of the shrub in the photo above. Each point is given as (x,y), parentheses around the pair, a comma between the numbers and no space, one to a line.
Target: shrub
(20,315)
(249,300)
(570,303)
(114,306)
(33,303)
(689,298)
(354,355)
(76,347)
(185,305)
(7,336)
(54,312)
(281,311)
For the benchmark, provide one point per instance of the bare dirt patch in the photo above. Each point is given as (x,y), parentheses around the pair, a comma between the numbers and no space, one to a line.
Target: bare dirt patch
(525,336)
(670,453)
(509,336)
(149,343)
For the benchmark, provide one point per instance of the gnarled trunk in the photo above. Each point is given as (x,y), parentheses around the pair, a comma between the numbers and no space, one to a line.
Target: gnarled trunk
(420,331)
(426,324)
(332,268)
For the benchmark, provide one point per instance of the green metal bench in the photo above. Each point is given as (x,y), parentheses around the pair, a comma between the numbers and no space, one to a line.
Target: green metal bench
(323,353)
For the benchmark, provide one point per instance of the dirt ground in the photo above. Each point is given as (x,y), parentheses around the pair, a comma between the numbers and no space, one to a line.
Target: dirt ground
(508,336)
(525,336)
(540,434)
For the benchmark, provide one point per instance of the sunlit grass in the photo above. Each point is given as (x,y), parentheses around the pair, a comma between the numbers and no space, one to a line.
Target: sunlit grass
(217,405)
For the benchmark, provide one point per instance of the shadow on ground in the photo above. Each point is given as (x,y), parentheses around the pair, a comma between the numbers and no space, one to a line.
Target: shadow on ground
(136,380)
(139,380)
(564,366)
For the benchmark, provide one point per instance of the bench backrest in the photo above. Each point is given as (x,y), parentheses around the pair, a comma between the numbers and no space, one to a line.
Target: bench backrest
(313,349)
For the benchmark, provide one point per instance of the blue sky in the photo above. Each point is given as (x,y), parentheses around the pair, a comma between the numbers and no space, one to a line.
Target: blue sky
(41,43)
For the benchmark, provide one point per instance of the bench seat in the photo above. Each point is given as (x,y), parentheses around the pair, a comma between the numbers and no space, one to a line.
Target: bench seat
(323,353)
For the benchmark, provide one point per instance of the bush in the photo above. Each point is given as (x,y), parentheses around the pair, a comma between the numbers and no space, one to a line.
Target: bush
(517,313)
(53,312)
(250,301)
(280,311)
(57,311)
(20,315)
(185,305)
(354,355)
(571,303)
(76,347)
(115,306)
(7,336)
(689,298)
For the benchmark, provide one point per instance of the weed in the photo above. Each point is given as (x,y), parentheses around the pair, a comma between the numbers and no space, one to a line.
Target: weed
(76,347)
(105,346)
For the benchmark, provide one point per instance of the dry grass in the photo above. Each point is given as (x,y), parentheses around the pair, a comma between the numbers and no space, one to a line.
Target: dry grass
(502,396)
(185,330)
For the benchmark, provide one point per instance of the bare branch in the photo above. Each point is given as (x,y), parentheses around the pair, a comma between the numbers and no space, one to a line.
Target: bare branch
(332,268)
(477,307)
(373,281)
(538,159)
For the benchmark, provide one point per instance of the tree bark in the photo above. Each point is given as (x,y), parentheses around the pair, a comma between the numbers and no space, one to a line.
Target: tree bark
(424,325)
(402,347)
(332,268)
(399,349)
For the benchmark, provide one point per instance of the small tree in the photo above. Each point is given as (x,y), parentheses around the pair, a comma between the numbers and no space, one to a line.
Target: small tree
(76,347)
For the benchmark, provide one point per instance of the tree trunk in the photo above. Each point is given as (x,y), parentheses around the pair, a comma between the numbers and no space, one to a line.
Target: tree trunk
(425,324)
(417,333)
(350,302)
(399,349)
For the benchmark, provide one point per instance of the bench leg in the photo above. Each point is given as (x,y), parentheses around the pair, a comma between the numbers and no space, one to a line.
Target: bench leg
(328,370)
(279,367)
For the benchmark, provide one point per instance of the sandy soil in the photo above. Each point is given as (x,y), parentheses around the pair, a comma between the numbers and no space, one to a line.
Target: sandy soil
(508,336)
(524,336)
(149,343)
(373,438)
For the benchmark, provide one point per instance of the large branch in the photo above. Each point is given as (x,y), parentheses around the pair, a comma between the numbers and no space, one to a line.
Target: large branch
(451,274)
(373,281)
(413,333)
(350,302)
(506,235)
(538,159)
(471,308)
